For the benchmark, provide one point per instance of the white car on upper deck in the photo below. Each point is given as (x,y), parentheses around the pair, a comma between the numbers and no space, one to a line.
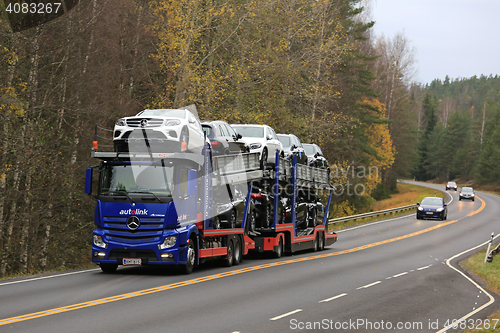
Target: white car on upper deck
(159,130)
(261,139)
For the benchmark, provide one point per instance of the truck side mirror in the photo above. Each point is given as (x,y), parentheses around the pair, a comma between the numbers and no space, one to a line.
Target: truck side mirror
(88,181)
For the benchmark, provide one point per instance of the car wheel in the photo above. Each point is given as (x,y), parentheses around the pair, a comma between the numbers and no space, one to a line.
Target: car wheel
(216,222)
(312,218)
(232,222)
(184,140)
(269,216)
(251,222)
(263,160)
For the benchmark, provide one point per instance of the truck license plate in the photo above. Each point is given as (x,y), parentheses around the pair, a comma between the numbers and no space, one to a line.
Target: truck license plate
(132,261)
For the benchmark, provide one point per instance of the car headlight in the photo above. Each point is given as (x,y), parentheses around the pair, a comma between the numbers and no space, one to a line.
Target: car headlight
(168,242)
(472,195)
(420,208)
(440,209)
(461,194)
(173,122)
(121,122)
(99,242)
(255,145)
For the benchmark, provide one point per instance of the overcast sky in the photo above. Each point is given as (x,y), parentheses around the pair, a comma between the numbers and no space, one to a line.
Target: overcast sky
(458,38)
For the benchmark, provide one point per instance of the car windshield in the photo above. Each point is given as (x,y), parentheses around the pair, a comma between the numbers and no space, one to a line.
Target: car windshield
(309,149)
(249,131)
(467,190)
(432,201)
(131,178)
(285,140)
(452,183)
(164,113)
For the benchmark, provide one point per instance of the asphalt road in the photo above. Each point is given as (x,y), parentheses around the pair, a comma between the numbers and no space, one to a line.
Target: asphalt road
(394,275)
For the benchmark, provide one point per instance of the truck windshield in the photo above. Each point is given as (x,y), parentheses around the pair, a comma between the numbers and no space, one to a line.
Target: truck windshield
(132,179)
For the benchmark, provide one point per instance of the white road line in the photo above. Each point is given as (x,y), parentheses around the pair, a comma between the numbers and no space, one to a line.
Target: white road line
(369,285)
(286,314)
(425,267)
(332,298)
(49,277)
(401,274)
(491,301)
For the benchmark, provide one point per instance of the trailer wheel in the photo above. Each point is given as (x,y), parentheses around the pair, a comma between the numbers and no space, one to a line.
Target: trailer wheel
(228,259)
(108,268)
(279,250)
(191,257)
(321,242)
(237,252)
(315,243)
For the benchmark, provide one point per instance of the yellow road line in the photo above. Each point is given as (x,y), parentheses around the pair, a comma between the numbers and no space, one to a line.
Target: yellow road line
(217,276)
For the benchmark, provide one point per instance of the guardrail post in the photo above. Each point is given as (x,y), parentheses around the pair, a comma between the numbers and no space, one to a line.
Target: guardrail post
(488,255)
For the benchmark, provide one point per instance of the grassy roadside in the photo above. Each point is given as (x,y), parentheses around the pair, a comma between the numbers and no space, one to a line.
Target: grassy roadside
(490,273)
(408,194)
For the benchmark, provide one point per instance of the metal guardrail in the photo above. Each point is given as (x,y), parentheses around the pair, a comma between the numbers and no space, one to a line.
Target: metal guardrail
(371,214)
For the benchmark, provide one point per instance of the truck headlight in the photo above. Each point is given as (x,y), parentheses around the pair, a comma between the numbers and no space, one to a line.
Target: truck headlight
(168,242)
(99,242)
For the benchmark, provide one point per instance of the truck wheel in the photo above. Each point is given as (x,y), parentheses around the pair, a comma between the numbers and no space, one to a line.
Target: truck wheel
(108,268)
(237,252)
(191,257)
(315,244)
(279,250)
(228,259)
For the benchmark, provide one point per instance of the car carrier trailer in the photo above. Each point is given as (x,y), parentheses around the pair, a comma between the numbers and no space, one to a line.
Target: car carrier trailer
(158,209)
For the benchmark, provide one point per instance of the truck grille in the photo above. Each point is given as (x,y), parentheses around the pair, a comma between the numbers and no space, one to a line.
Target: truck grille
(149,231)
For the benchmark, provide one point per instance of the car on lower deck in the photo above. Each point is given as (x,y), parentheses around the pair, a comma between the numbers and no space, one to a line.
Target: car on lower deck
(432,207)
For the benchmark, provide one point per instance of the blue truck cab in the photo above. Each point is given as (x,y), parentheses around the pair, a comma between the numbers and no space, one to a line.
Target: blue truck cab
(147,209)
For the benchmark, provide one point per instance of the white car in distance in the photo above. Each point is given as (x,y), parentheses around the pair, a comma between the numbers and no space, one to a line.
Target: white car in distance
(159,130)
(261,139)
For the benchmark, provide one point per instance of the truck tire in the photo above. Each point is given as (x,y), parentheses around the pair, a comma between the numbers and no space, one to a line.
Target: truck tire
(191,257)
(315,243)
(108,268)
(238,258)
(229,258)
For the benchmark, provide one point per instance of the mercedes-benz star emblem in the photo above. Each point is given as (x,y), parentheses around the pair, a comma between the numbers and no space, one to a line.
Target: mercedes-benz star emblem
(133,223)
(144,122)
